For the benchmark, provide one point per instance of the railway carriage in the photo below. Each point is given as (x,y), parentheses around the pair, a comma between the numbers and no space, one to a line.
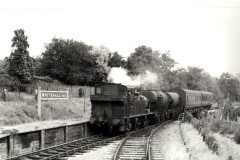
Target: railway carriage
(207,99)
(193,100)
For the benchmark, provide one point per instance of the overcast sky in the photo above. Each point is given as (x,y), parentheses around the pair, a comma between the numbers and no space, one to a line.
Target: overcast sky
(204,33)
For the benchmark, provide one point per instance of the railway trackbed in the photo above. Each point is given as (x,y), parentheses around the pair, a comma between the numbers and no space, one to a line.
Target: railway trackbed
(138,145)
(68,149)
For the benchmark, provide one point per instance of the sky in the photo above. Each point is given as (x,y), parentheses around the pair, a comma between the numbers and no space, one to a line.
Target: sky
(202,33)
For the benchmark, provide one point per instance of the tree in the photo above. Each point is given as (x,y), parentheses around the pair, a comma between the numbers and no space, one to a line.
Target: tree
(229,85)
(101,56)
(20,63)
(178,78)
(74,63)
(68,61)
(116,60)
(194,78)
(144,58)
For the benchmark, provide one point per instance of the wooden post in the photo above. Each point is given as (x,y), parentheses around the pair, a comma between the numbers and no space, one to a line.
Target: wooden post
(68,100)
(84,98)
(42,139)
(36,93)
(85,130)
(39,104)
(66,134)
(5,94)
(10,146)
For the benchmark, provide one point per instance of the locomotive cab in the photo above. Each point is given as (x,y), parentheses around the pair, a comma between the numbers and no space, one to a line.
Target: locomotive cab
(107,98)
(117,105)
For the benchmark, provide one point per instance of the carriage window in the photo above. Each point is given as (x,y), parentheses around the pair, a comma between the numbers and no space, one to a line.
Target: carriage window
(98,90)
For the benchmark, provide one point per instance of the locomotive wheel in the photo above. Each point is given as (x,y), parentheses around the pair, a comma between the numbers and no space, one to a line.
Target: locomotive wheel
(145,123)
(157,119)
(128,126)
(136,124)
(114,128)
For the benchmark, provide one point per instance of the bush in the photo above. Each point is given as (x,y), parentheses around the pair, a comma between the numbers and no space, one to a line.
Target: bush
(216,125)
(237,136)
(223,127)
(188,117)
(237,110)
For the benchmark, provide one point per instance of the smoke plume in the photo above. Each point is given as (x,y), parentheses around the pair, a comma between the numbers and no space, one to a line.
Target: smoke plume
(119,75)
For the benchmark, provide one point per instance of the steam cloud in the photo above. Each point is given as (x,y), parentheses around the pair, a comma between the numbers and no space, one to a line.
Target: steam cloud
(119,75)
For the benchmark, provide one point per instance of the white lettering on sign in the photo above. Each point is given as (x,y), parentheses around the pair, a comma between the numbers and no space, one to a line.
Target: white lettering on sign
(54,95)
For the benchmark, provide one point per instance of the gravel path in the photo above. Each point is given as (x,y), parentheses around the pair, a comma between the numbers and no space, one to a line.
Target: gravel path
(170,143)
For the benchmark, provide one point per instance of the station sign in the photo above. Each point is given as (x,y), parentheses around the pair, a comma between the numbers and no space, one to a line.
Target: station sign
(50,95)
(54,95)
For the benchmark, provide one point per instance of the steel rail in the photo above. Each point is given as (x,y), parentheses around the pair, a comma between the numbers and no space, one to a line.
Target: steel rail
(117,152)
(120,146)
(67,148)
(148,151)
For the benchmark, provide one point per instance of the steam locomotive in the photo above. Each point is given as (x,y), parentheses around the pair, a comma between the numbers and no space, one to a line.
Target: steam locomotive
(122,108)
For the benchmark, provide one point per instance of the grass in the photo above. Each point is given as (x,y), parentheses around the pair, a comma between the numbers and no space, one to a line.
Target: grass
(22,108)
(194,141)
(227,147)
(226,134)
(223,127)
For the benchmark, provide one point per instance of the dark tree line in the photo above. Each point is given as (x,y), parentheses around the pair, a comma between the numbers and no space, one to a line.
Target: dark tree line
(76,63)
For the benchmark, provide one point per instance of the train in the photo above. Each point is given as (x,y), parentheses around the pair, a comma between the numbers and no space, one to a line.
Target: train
(117,107)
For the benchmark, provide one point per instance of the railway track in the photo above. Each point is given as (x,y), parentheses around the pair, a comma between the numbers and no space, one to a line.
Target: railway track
(136,145)
(68,149)
(153,149)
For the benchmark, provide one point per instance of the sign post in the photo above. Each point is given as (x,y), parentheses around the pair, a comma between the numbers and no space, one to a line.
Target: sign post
(51,95)
(39,104)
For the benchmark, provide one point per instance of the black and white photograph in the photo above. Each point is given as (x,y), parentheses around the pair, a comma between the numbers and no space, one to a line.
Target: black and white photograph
(119,80)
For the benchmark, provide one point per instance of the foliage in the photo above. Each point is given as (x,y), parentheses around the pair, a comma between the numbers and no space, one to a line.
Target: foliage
(8,82)
(188,117)
(222,126)
(212,143)
(209,139)
(144,58)
(5,79)
(178,78)
(101,68)
(229,112)
(238,111)
(229,85)
(20,63)
(237,135)
(194,78)
(46,79)
(70,62)
(116,60)
(37,63)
